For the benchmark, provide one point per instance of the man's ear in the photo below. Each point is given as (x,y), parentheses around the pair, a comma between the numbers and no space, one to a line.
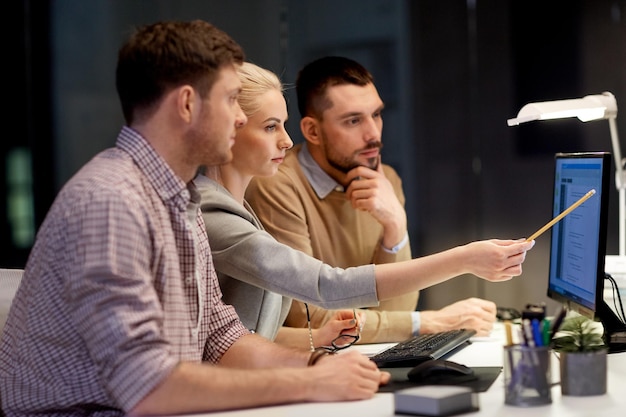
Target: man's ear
(186,101)
(310,129)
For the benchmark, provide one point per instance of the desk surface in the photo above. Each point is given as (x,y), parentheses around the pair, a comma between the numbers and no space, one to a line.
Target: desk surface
(482,352)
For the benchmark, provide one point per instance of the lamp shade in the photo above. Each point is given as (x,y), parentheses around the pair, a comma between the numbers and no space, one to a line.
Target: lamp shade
(592,107)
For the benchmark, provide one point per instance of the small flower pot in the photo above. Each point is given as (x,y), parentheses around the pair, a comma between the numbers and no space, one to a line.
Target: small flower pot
(583,373)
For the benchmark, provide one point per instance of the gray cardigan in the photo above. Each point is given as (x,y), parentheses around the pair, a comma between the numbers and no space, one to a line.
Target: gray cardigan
(258,275)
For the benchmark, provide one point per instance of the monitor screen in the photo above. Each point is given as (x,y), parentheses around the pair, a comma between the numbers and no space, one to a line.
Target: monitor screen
(577,248)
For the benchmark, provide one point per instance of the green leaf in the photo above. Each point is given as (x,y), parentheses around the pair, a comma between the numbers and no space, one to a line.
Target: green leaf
(579,334)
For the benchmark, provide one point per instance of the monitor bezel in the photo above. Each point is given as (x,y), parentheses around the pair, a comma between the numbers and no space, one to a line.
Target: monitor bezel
(571,304)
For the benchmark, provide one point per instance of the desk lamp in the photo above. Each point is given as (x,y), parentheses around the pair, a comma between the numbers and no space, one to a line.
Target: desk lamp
(592,107)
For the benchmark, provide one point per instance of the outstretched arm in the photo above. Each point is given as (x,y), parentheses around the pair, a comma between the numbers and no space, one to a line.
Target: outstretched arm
(493,260)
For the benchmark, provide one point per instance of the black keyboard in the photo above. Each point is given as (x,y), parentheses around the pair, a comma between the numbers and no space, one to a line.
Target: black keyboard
(422,348)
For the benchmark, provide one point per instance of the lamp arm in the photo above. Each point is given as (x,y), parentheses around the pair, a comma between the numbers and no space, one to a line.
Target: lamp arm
(620,181)
(620,184)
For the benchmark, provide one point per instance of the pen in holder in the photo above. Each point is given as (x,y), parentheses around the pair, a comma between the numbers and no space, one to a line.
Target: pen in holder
(527,377)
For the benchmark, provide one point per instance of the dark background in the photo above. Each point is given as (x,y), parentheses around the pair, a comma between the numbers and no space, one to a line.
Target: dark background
(451,74)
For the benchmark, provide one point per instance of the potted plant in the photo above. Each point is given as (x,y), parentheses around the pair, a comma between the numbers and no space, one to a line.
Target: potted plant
(582,356)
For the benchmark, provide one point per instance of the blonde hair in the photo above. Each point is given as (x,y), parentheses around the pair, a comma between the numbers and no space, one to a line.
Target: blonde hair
(255,81)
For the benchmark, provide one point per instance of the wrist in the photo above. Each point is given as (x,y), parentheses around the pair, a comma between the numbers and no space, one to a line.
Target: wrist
(398,246)
(394,229)
(459,260)
(316,355)
(416,322)
(428,324)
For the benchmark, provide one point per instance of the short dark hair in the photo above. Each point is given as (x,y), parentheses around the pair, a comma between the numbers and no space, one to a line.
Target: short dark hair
(166,55)
(314,79)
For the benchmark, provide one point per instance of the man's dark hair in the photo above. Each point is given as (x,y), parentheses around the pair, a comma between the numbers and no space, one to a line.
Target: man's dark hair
(167,55)
(314,79)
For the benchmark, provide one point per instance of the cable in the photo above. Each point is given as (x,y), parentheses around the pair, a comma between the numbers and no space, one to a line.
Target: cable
(618,308)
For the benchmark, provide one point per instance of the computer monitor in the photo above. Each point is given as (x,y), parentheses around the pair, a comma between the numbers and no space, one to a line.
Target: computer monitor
(578,244)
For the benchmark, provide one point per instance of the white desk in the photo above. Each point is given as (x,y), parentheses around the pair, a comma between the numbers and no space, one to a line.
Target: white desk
(483,352)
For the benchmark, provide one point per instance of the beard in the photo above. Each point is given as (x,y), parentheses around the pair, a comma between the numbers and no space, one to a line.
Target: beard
(347,163)
(206,150)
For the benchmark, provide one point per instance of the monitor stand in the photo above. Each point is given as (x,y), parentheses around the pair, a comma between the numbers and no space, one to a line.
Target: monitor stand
(614,328)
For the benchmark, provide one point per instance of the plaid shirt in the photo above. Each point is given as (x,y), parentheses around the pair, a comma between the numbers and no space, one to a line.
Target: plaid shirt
(119,288)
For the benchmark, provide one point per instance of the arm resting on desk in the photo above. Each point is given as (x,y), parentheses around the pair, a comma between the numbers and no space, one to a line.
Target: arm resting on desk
(244,378)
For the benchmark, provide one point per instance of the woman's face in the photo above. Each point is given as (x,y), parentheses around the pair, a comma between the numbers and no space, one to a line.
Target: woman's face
(260,144)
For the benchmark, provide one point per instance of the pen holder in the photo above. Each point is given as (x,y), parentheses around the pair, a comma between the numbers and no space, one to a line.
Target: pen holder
(527,377)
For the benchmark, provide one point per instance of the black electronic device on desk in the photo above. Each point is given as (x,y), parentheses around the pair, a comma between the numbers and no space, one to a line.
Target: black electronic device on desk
(423,347)
(578,244)
(437,369)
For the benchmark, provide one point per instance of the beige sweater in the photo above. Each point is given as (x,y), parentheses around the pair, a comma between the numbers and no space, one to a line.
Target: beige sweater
(331,230)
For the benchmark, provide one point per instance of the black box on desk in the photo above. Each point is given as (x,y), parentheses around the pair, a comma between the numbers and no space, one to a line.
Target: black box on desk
(435,400)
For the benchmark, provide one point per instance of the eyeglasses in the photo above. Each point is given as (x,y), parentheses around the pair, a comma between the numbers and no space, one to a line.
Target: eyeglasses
(342,341)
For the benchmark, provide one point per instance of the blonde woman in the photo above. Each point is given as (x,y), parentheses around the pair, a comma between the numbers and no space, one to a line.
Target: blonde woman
(243,254)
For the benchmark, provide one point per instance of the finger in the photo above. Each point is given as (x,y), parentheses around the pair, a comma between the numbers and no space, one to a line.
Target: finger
(369,383)
(360,191)
(385,377)
(367,173)
(345,314)
(356,184)
(369,364)
(359,173)
(489,306)
(484,311)
(346,326)
(506,277)
(523,246)
(361,318)
(350,323)
(514,270)
(516,260)
(483,304)
(379,168)
(509,242)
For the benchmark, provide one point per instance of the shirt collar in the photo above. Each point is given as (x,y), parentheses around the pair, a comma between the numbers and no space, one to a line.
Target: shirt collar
(166,183)
(322,183)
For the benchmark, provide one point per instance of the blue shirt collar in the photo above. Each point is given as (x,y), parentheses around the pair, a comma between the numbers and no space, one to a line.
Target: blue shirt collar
(322,183)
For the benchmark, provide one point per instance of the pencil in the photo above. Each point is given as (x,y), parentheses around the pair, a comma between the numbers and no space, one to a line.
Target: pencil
(560,216)
(508,332)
